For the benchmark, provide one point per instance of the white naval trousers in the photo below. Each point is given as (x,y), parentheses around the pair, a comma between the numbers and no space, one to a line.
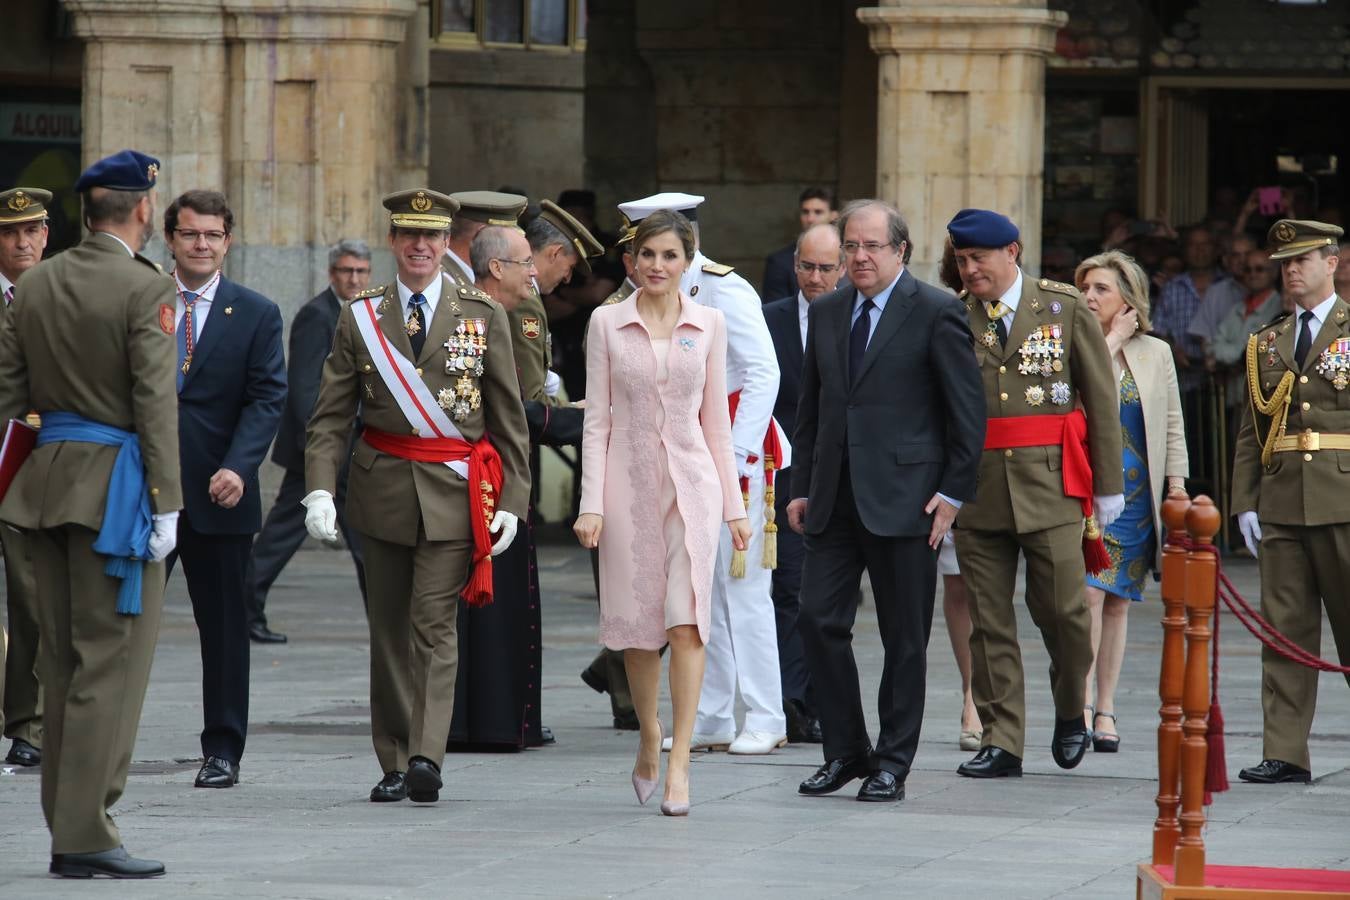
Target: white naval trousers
(742,647)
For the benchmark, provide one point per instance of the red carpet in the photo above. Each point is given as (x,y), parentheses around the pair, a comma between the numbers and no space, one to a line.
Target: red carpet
(1270,879)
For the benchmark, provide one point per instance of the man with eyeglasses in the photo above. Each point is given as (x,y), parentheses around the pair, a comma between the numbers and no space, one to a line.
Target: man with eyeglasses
(888,438)
(818,260)
(283,532)
(231,383)
(439,478)
(23,237)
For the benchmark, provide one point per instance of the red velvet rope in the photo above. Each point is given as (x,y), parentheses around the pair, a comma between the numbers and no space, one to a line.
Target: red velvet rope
(1252,620)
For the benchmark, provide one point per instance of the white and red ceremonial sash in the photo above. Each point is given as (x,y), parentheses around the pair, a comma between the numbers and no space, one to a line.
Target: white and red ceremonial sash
(400,376)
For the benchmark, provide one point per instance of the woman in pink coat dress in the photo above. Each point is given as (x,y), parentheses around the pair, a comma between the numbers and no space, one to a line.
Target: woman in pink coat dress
(658,481)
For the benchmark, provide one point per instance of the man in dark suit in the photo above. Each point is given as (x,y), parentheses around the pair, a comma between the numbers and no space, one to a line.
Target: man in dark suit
(815,206)
(231,391)
(888,438)
(819,262)
(284,531)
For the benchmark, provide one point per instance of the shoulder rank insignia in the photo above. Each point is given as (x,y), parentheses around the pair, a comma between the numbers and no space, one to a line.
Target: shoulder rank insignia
(718,269)
(1058,286)
(370,292)
(474,293)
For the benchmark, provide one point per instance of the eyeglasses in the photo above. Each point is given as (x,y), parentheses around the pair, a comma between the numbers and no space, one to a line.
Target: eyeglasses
(191,235)
(822,268)
(526,262)
(870,247)
(350,271)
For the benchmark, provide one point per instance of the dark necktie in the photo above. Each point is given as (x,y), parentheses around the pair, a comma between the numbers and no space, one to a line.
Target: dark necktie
(857,340)
(185,330)
(1304,339)
(417,324)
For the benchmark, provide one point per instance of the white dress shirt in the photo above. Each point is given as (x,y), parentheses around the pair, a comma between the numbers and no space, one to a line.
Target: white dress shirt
(200,309)
(463,266)
(802,306)
(1321,312)
(878,306)
(1010,299)
(433,294)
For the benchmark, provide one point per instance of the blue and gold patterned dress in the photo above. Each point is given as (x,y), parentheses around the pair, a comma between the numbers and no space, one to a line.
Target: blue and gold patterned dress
(1130,539)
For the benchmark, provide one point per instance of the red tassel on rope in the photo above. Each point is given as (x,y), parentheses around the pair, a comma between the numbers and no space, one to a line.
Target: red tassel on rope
(1095,557)
(1216,762)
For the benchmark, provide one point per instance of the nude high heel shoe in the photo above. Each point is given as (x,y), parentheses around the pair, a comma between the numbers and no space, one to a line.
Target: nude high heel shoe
(645,787)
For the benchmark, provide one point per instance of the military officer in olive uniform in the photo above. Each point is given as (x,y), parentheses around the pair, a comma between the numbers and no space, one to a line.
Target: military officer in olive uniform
(23,237)
(432,495)
(1042,353)
(89,342)
(1291,490)
(477,210)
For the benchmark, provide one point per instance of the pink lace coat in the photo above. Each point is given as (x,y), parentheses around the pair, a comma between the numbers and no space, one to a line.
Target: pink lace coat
(620,474)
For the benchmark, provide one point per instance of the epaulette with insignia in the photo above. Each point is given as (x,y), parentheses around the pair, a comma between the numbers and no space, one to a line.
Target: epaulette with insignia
(718,269)
(1058,286)
(614,298)
(474,293)
(371,292)
(151,263)
(1278,319)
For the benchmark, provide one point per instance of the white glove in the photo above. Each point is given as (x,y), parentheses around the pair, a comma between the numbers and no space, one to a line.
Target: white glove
(744,467)
(164,537)
(1251,531)
(320,516)
(1106,508)
(505,523)
(551,383)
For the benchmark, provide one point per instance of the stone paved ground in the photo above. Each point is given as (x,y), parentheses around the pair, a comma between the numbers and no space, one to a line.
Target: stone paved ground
(563,822)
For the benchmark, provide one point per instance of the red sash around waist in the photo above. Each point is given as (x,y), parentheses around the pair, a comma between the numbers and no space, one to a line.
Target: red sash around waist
(1069,432)
(485,486)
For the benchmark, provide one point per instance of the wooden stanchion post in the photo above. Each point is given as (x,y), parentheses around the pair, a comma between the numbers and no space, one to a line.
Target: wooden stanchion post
(1202,521)
(1167,828)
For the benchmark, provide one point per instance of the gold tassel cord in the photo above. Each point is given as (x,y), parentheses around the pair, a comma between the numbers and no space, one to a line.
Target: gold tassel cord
(770,557)
(1276,407)
(738,556)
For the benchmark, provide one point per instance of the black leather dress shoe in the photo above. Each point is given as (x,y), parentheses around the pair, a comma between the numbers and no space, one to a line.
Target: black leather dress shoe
(261,634)
(423,780)
(991,762)
(802,727)
(115,863)
(627,722)
(392,787)
(882,787)
(22,753)
(1070,743)
(1274,771)
(217,772)
(835,774)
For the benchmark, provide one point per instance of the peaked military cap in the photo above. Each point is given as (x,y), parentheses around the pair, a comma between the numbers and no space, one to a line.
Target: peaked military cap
(126,170)
(421,208)
(490,207)
(1294,237)
(24,204)
(634,211)
(981,228)
(582,240)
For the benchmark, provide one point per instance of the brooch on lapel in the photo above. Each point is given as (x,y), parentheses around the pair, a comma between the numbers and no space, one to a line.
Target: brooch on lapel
(687,344)
(229,310)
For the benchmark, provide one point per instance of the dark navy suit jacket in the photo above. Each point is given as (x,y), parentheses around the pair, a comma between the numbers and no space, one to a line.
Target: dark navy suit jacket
(311,340)
(230,406)
(785,330)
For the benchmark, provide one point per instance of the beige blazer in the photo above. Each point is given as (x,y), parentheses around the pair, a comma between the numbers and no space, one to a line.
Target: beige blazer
(1150,361)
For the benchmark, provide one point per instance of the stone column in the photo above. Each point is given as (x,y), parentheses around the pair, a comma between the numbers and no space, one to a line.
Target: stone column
(961,114)
(299,110)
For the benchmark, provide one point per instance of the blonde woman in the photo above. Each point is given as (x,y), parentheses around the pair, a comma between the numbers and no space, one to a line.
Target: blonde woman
(1116,289)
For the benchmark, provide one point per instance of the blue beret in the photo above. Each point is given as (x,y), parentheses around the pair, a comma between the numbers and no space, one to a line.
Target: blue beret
(981,228)
(126,170)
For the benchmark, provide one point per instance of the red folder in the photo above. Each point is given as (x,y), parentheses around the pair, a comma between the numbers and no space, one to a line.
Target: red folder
(19,440)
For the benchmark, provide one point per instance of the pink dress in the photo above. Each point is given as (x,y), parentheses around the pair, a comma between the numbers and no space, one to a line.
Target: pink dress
(657,464)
